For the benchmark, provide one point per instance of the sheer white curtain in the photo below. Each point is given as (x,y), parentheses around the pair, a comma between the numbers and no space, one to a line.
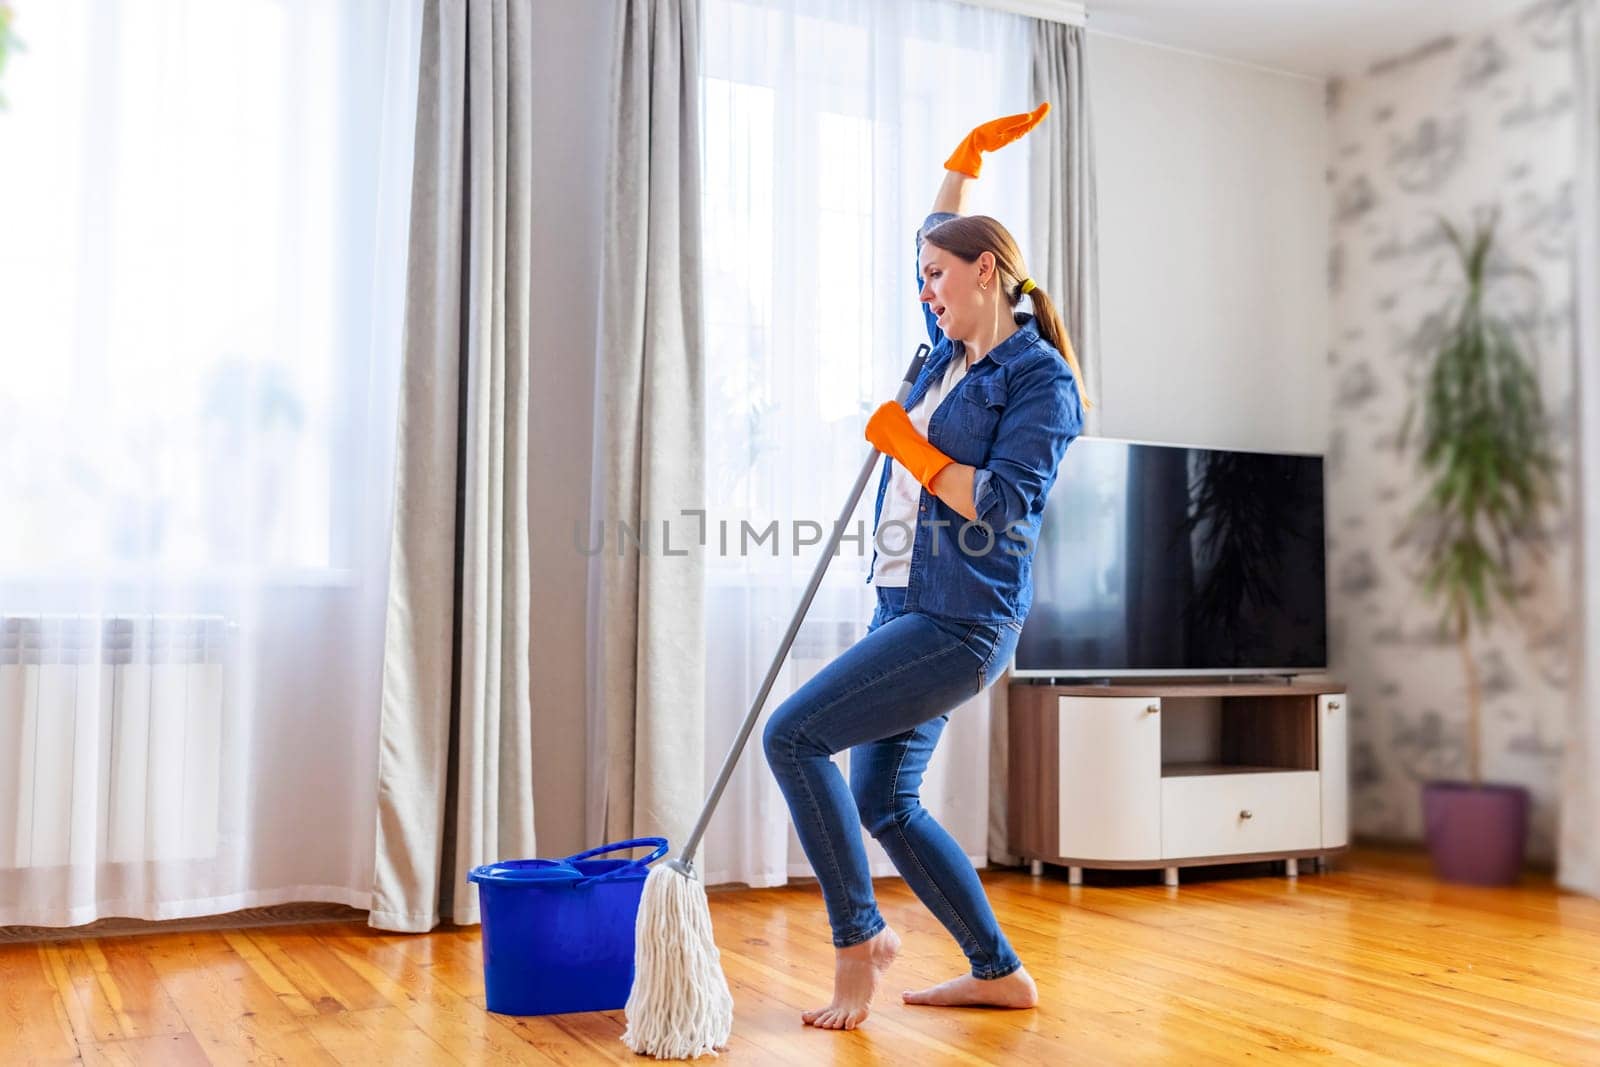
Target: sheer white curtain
(826,129)
(202,241)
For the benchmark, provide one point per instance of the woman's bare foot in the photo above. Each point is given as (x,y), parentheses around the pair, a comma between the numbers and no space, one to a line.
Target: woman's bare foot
(856,971)
(1015,990)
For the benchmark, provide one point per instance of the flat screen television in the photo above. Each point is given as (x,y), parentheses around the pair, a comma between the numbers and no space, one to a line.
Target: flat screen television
(1161,560)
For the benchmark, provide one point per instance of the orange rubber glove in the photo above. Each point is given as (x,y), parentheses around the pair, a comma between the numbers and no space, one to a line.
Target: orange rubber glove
(997,133)
(891,432)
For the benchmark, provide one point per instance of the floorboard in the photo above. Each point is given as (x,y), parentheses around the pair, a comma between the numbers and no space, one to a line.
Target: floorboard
(1371,962)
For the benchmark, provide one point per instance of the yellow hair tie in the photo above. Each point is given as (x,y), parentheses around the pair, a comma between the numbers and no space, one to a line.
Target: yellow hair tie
(1028,286)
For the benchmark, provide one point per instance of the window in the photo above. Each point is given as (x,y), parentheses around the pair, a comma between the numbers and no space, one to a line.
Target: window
(824,138)
(186,225)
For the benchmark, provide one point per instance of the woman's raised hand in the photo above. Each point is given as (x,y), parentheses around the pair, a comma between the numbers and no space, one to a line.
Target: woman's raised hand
(996,133)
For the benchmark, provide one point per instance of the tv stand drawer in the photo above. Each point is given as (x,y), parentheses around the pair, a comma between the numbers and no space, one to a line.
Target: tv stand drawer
(1203,815)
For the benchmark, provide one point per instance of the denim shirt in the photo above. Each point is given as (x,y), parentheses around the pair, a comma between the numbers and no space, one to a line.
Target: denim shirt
(1012,418)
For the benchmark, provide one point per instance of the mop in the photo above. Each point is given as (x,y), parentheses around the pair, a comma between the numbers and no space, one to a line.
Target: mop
(680,1007)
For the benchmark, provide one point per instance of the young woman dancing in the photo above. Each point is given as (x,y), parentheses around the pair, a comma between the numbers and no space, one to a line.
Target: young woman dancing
(970,461)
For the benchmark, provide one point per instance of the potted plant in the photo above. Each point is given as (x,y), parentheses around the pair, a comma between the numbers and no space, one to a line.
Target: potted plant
(1485,456)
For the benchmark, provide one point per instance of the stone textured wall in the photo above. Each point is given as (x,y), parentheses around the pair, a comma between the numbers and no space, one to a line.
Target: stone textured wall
(1461,126)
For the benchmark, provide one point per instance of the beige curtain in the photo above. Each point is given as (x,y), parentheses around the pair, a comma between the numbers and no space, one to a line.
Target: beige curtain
(647,678)
(1063,255)
(455,780)
(1063,252)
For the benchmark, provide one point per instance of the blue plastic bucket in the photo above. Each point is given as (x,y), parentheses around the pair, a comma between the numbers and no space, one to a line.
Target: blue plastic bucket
(558,934)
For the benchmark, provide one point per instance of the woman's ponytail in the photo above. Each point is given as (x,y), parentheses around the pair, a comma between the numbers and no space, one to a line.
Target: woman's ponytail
(1051,328)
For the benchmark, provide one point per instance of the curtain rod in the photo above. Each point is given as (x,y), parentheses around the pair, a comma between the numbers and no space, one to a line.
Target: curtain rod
(1067,11)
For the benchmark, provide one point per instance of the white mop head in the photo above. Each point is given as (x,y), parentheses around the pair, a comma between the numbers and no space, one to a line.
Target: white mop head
(680,1007)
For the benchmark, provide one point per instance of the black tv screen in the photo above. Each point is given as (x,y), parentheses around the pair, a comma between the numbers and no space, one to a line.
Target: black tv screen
(1162,559)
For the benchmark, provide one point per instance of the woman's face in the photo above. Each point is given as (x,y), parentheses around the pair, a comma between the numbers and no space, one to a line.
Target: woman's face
(950,289)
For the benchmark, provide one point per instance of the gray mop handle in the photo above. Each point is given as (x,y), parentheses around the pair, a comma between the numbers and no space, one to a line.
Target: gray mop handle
(686,858)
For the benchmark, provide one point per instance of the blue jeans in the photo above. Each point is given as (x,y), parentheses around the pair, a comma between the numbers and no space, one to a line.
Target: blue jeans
(887,699)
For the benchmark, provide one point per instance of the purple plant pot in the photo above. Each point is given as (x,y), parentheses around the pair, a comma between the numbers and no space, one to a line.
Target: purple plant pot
(1476,835)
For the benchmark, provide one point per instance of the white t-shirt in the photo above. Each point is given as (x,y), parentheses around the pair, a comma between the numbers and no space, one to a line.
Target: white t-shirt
(900,501)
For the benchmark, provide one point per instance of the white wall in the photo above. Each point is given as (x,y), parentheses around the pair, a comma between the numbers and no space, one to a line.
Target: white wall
(572,58)
(1213,249)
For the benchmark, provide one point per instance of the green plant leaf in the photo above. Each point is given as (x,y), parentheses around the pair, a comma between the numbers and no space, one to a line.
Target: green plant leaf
(1482,446)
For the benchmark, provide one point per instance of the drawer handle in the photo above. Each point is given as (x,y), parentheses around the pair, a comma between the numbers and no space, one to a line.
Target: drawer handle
(1246,814)
(1333,705)
(1154,709)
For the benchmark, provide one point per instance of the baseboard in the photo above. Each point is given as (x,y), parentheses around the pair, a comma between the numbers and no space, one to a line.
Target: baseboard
(267,915)
(1407,846)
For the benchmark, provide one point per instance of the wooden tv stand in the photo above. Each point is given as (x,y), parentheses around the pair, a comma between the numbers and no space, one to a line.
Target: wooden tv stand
(1177,775)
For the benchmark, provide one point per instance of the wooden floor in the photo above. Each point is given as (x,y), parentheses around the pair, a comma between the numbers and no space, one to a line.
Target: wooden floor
(1372,962)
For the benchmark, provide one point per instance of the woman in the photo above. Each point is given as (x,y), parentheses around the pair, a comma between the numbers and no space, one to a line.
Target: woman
(967,473)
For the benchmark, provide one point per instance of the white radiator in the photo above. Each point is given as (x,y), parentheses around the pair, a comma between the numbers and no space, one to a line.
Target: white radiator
(110,738)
